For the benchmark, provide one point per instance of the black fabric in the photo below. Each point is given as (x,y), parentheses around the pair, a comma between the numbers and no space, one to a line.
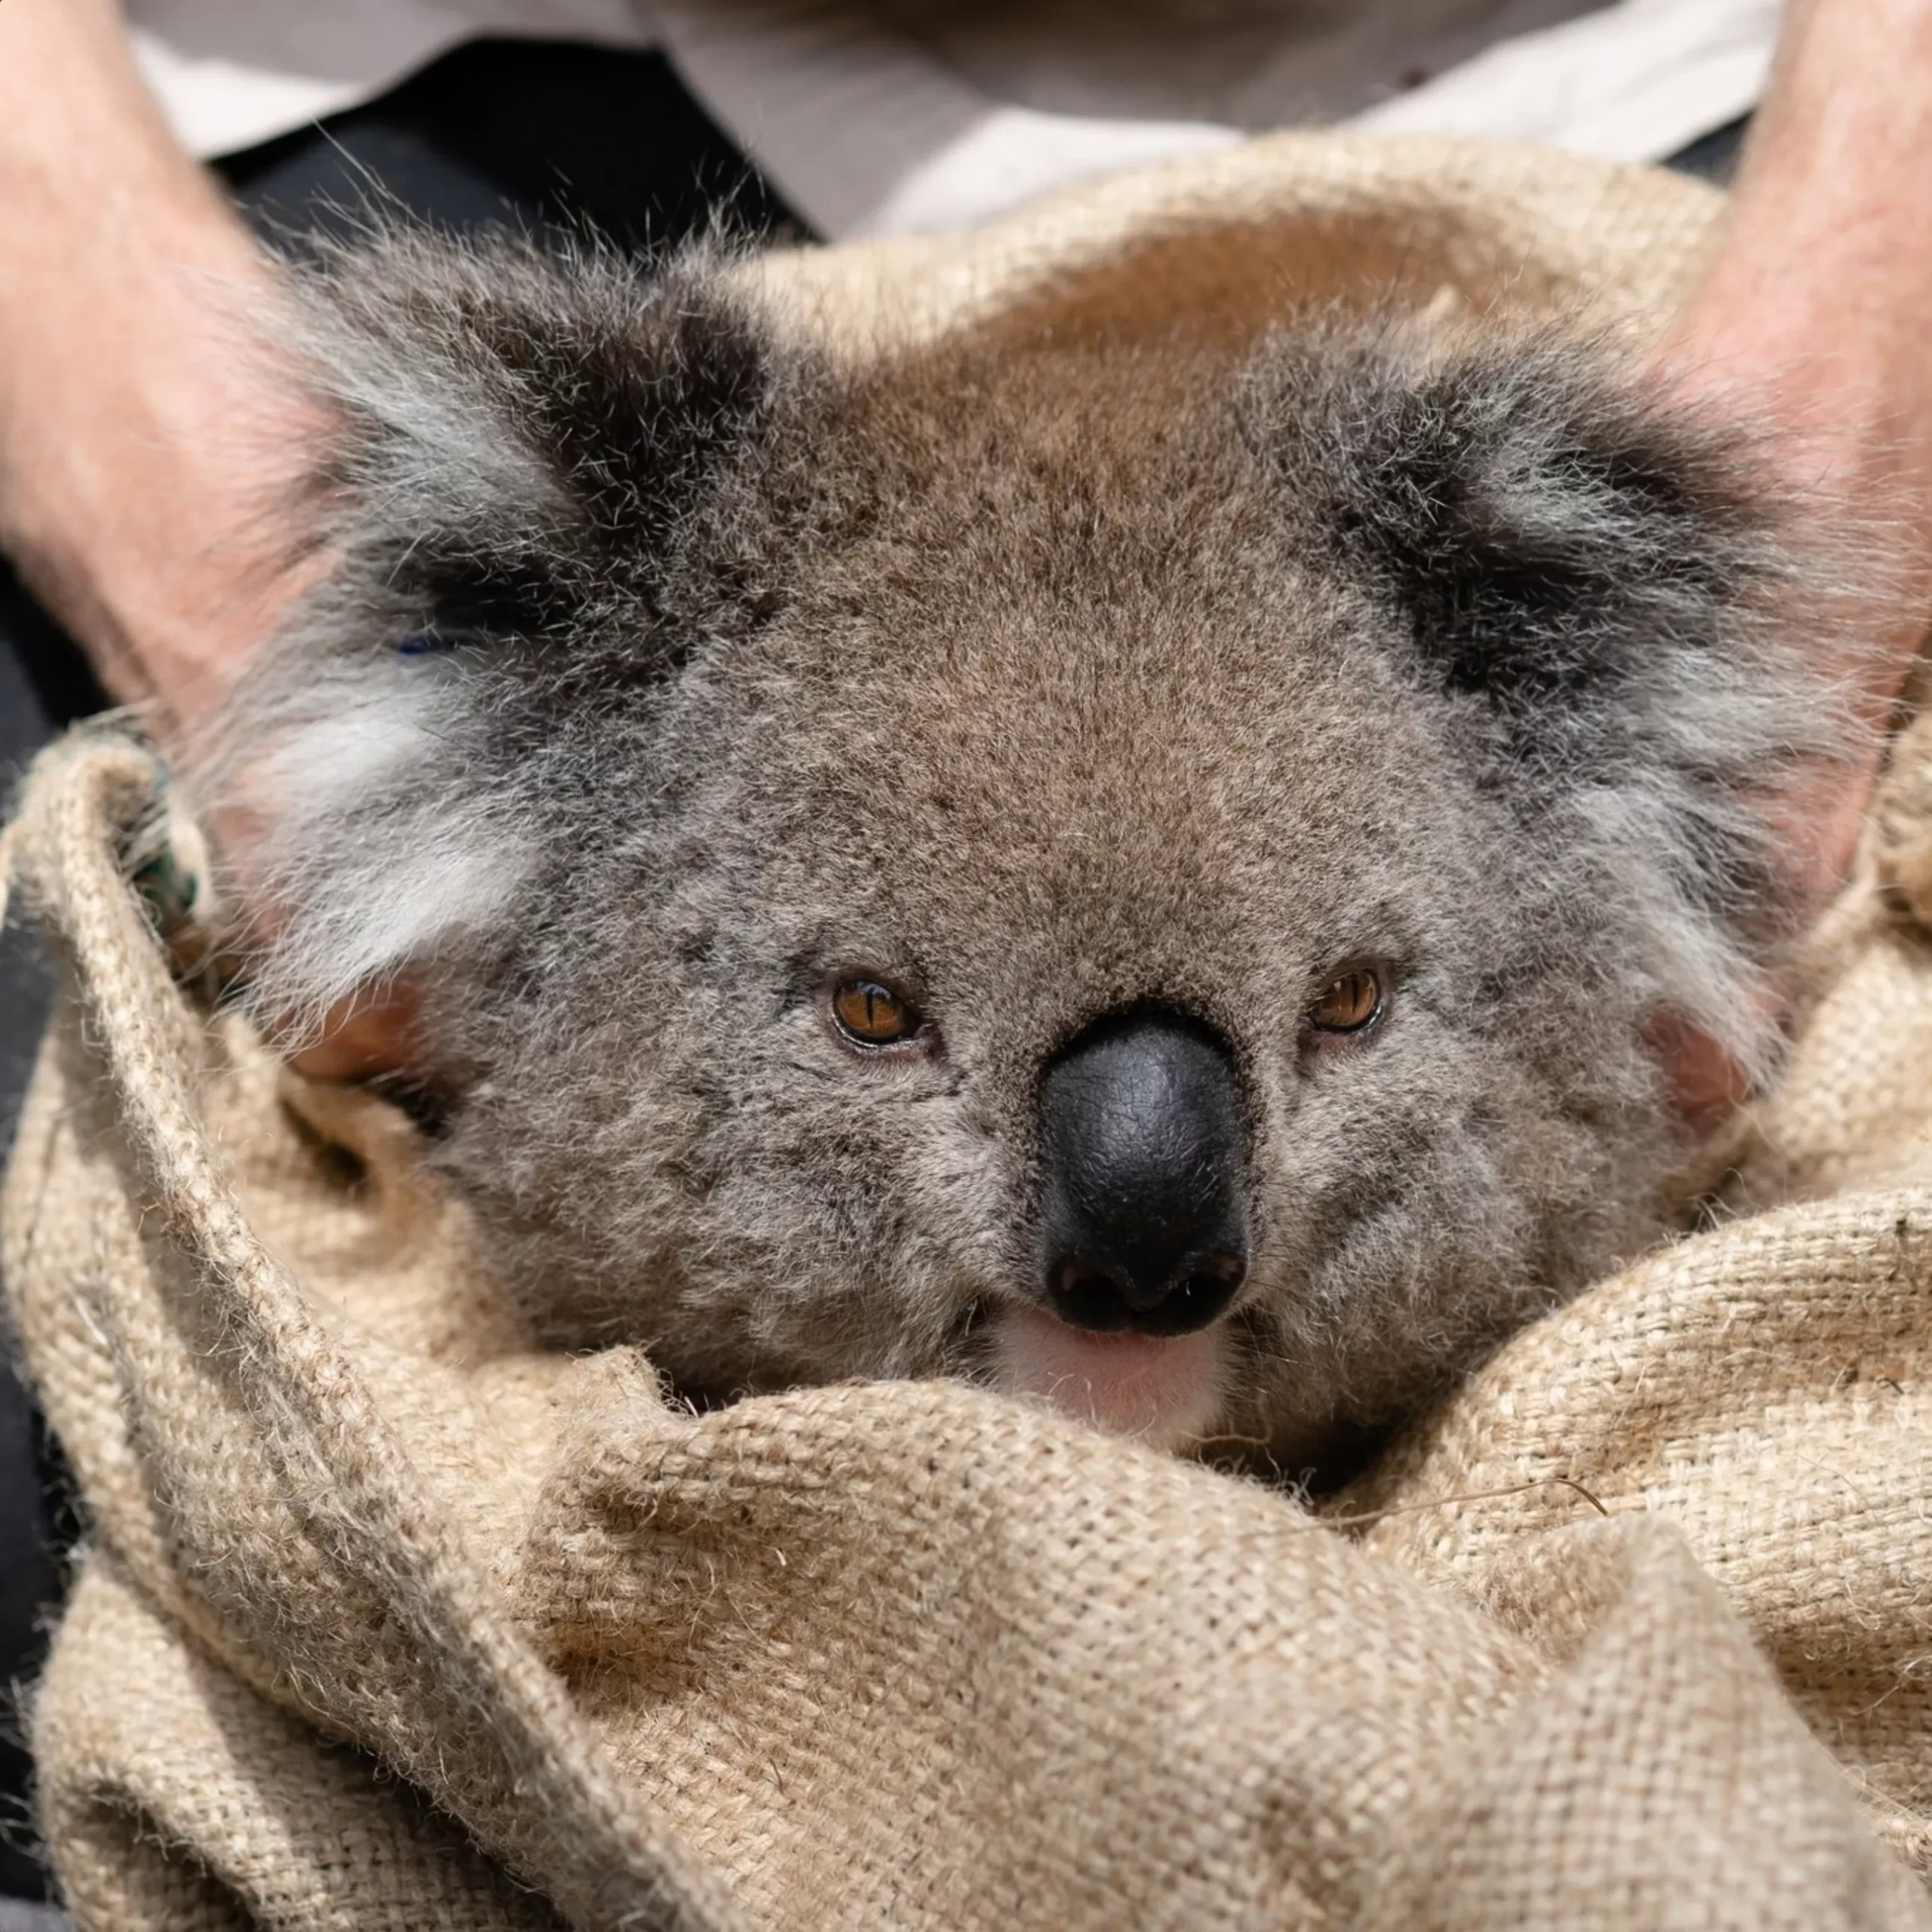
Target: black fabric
(538,135)
(546,136)
(1713,157)
(44,685)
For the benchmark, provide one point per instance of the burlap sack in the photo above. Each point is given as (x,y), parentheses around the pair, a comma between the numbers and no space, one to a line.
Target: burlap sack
(389,1620)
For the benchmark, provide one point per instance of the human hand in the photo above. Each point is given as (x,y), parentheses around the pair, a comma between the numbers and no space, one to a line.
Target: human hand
(1809,330)
(153,431)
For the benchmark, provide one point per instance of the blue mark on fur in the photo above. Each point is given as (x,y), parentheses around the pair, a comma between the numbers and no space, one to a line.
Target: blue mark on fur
(430,643)
(443,640)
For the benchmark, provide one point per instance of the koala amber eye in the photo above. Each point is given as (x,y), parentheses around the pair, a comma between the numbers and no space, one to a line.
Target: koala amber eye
(871,1015)
(1350,1001)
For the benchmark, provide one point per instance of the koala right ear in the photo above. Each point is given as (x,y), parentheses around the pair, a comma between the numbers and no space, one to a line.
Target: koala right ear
(525,430)
(519,506)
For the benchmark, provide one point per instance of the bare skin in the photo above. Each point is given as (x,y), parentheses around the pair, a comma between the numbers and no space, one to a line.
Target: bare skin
(1813,319)
(147,426)
(151,431)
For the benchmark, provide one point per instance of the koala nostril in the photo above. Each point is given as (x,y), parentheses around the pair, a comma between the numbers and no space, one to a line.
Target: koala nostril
(1198,1299)
(1084,1296)
(1142,1141)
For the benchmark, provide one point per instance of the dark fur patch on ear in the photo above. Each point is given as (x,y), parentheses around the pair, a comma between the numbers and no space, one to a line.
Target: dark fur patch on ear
(1595,581)
(1545,535)
(525,438)
(549,484)
(635,410)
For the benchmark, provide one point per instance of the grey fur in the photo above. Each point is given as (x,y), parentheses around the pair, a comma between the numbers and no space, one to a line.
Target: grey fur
(1051,681)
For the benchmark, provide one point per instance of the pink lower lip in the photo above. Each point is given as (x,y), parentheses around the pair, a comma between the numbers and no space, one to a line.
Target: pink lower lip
(1166,1389)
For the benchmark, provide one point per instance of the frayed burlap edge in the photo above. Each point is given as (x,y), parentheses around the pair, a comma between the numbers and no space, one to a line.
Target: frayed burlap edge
(548,1798)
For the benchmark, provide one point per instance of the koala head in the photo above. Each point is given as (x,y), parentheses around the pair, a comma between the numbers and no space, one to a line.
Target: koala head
(1146,878)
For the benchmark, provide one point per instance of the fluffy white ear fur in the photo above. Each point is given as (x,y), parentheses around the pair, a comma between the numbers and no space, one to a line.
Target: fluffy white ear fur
(1697,964)
(356,839)
(497,409)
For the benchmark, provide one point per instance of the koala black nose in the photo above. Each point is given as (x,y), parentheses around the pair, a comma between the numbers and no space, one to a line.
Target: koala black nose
(1141,1141)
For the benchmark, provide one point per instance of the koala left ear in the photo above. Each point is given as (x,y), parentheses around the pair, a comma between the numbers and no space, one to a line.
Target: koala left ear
(1610,603)
(1554,542)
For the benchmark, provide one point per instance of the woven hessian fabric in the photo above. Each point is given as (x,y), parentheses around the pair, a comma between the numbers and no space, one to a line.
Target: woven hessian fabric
(388,1619)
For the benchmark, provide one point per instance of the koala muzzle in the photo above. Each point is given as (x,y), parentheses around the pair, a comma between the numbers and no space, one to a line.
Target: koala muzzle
(1142,1142)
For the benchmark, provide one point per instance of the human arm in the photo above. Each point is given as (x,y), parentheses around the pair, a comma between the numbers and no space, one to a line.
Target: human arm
(152,433)
(1812,321)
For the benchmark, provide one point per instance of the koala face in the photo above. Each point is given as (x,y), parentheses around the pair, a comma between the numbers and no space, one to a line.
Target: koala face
(1140,878)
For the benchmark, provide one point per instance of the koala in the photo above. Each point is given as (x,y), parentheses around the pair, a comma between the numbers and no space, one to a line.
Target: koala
(1147,876)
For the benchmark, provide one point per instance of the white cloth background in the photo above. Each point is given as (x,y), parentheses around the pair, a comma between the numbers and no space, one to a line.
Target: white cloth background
(882,119)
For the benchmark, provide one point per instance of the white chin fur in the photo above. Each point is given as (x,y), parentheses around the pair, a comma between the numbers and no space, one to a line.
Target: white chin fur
(1163,1391)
